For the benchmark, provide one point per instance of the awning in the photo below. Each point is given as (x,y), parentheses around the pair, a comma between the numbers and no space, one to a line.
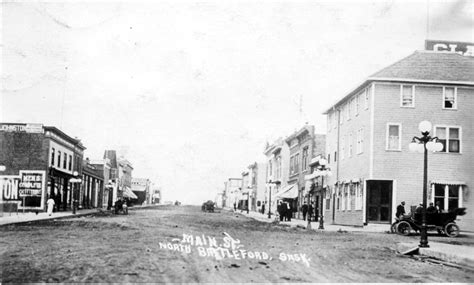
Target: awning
(290,192)
(127,193)
(447,182)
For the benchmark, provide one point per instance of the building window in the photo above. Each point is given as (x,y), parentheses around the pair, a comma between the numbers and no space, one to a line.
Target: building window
(407,95)
(450,137)
(65,161)
(270,169)
(305,158)
(366,98)
(297,163)
(449,197)
(59,158)
(344,198)
(335,156)
(357,103)
(449,97)
(292,165)
(278,167)
(52,156)
(70,162)
(360,140)
(329,158)
(393,137)
(350,145)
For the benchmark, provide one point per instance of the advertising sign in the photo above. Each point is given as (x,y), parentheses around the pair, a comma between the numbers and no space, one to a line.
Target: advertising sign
(462,48)
(27,189)
(22,128)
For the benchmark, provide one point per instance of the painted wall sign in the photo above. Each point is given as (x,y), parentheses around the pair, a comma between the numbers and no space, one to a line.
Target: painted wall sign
(28,187)
(463,48)
(22,128)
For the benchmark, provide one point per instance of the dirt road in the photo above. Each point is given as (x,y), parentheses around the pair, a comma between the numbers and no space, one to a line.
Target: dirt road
(182,244)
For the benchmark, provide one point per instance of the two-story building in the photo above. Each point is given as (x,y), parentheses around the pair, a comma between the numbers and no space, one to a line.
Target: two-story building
(257,185)
(277,170)
(92,186)
(369,130)
(39,163)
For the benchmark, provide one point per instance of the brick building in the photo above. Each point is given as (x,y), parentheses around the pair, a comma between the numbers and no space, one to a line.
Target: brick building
(39,161)
(369,130)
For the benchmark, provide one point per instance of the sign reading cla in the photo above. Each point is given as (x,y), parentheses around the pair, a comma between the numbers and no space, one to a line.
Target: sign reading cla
(462,48)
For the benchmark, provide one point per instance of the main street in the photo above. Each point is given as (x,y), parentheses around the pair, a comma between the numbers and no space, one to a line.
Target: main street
(183,244)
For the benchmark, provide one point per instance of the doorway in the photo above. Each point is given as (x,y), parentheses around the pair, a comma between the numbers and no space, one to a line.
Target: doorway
(379,201)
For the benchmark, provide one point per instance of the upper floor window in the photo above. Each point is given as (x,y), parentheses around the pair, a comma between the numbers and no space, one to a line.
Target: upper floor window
(52,156)
(270,168)
(366,98)
(292,165)
(357,103)
(305,159)
(393,137)
(450,137)
(65,161)
(407,95)
(59,158)
(297,163)
(449,98)
(70,162)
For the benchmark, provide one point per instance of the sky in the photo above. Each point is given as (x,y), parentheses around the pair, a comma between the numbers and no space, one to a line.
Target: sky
(190,91)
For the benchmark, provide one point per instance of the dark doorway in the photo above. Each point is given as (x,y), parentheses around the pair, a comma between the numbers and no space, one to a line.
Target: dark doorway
(379,200)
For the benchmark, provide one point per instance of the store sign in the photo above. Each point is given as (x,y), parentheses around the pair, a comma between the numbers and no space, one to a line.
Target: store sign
(28,188)
(462,48)
(22,128)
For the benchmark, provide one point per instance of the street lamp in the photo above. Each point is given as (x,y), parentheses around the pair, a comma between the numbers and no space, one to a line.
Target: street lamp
(323,171)
(269,185)
(423,144)
(75,181)
(308,216)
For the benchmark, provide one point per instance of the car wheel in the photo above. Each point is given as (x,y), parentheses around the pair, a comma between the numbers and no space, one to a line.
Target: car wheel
(403,228)
(451,230)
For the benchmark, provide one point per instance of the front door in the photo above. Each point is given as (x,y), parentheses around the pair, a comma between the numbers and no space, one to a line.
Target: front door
(379,200)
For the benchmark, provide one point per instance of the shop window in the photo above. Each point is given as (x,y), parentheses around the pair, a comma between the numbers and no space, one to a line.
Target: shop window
(449,97)
(358,194)
(407,95)
(449,197)
(450,137)
(393,137)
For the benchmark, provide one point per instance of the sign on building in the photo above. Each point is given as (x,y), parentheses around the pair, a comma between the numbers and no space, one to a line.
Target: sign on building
(462,48)
(27,189)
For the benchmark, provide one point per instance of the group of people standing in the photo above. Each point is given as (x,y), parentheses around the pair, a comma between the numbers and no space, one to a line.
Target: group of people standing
(430,209)
(284,211)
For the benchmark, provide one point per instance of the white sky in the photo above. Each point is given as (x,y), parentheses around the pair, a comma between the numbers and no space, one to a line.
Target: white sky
(190,91)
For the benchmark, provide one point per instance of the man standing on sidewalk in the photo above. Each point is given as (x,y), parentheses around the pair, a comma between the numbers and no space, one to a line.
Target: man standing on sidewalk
(304,209)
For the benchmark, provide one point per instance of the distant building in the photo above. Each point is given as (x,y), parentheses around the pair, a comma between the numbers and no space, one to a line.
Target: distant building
(141,188)
(257,186)
(113,183)
(104,166)
(156,197)
(232,192)
(39,163)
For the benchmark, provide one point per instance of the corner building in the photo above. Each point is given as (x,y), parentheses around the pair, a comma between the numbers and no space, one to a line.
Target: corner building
(369,131)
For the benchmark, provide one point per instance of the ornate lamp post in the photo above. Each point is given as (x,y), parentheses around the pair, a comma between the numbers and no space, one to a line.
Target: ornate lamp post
(423,144)
(75,200)
(323,171)
(308,216)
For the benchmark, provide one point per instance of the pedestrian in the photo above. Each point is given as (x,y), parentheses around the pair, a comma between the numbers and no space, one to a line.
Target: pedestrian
(50,203)
(263,208)
(235,207)
(310,211)
(280,211)
(438,207)
(288,212)
(431,209)
(400,210)
(304,209)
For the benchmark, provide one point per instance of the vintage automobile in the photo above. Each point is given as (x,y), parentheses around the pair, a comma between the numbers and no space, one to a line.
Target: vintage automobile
(444,223)
(208,206)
